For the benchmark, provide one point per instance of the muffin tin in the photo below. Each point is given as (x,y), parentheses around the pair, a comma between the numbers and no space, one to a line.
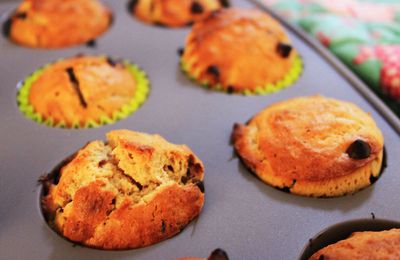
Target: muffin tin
(242,215)
(343,230)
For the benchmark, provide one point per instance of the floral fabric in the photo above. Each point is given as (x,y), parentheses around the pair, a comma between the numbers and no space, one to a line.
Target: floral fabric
(364,34)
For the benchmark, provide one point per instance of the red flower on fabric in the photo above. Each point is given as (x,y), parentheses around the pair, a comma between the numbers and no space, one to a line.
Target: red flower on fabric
(389,56)
(323,38)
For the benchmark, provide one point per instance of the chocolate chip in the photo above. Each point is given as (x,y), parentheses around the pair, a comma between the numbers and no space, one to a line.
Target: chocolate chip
(111,61)
(285,189)
(102,163)
(373,179)
(110,20)
(213,69)
(218,254)
(132,5)
(181,51)
(196,8)
(230,89)
(113,201)
(359,150)
(75,83)
(6,30)
(184,179)
(160,24)
(134,182)
(200,185)
(188,173)
(163,226)
(224,3)
(20,15)
(71,75)
(284,49)
(92,43)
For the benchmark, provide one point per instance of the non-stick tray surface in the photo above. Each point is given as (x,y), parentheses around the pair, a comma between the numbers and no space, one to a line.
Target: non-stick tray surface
(247,218)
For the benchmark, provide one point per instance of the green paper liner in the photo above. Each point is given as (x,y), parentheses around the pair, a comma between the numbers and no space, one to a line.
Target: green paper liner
(140,96)
(291,77)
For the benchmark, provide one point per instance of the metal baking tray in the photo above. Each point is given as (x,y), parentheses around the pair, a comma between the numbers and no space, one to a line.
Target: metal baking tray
(343,230)
(242,215)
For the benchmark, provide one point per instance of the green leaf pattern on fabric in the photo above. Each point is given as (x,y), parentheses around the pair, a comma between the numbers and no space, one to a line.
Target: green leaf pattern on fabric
(364,34)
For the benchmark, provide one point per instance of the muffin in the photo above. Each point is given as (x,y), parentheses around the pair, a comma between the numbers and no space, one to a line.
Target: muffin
(240,51)
(217,254)
(57,24)
(364,245)
(132,191)
(83,91)
(312,146)
(174,13)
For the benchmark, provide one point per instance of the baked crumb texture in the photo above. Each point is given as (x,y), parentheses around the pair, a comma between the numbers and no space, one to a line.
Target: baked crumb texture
(57,24)
(312,146)
(379,245)
(174,13)
(243,51)
(134,191)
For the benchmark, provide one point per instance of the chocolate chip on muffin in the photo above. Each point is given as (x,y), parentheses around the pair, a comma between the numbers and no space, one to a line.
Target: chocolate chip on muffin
(174,13)
(126,192)
(329,147)
(84,91)
(218,54)
(57,24)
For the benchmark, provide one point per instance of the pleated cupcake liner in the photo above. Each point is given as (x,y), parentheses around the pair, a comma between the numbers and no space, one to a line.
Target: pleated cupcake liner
(141,93)
(289,79)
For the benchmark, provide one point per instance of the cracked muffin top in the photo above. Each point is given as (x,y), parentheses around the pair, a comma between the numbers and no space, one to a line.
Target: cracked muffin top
(57,24)
(330,147)
(132,191)
(237,50)
(364,245)
(174,13)
(83,88)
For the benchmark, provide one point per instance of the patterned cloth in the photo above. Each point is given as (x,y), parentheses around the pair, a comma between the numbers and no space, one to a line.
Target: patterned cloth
(364,34)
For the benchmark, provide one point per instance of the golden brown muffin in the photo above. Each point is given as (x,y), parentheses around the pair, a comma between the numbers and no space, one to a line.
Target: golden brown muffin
(56,23)
(174,13)
(238,50)
(312,146)
(83,88)
(378,245)
(217,254)
(132,191)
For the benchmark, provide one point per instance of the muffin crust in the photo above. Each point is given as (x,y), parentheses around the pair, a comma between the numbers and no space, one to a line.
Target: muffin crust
(134,191)
(58,24)
(311,135)
(238,50)
(83,88)
(174,13)
(377,245)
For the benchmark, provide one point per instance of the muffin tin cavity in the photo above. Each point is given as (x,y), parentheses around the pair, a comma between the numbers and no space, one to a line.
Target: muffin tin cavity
(47,25)
(342,231)
(109,112)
